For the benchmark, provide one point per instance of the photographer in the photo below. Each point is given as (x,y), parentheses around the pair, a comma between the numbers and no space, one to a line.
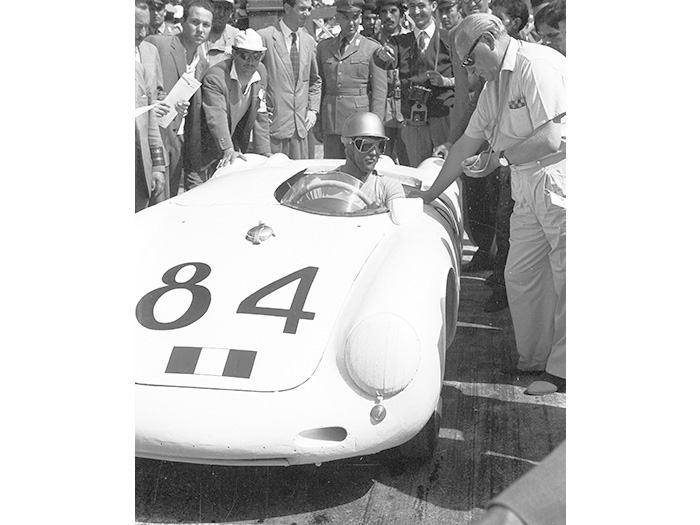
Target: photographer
(422,58)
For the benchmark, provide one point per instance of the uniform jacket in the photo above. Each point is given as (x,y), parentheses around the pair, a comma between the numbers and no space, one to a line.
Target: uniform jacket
(147,134)
(288,103)
(173,59)
(352,82)
(411,63)
(219,99)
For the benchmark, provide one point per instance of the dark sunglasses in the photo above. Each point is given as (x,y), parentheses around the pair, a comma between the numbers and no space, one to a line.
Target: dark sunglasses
(469,59)
(247,55)
(365,145)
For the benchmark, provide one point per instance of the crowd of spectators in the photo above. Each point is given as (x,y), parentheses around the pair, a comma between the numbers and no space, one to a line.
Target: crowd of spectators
(293,84)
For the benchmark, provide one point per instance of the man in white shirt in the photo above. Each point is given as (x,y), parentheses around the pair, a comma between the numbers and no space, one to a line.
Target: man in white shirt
(521,114)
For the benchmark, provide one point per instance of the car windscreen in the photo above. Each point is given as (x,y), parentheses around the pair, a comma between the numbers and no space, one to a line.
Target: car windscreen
(330,193)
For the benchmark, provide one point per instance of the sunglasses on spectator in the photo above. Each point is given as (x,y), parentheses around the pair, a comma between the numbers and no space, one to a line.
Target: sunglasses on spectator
(469,59)
(365,145)
(248,55)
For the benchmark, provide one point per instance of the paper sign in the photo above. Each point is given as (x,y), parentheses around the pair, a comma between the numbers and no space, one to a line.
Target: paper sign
(144,109)
(183,90)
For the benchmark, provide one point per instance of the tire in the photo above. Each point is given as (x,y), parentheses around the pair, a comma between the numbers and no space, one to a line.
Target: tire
(422,446)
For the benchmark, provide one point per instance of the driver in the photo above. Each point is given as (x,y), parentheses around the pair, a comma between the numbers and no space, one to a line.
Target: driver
(364,140)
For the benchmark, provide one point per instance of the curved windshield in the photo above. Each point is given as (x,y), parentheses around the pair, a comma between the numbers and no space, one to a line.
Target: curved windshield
(331,193)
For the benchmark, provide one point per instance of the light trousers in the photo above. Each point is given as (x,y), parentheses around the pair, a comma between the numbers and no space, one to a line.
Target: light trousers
(535,271)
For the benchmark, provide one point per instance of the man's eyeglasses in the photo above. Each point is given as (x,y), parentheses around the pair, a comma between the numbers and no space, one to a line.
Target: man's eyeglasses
(248,55)
(469,59)
(365,145)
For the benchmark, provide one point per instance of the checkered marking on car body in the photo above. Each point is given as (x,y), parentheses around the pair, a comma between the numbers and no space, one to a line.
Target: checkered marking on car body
(223,362)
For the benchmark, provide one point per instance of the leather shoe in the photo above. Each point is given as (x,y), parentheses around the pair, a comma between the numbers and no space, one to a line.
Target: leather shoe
(480,261)
(497,301)
(545,384)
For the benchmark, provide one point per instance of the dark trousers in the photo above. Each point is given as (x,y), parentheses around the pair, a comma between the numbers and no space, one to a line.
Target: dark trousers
(480,203)
(333,148)
(504,209)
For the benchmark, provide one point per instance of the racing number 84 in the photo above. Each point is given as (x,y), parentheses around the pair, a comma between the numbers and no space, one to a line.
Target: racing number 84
(201,298)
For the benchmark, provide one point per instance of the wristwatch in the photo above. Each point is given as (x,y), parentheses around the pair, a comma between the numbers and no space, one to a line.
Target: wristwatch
(502,160)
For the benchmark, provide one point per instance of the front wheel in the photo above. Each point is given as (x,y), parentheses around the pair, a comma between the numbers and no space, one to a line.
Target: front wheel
(422,446)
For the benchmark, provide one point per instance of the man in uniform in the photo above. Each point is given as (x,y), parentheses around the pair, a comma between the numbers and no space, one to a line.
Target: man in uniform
(449,13)
(294,86)
(427,84)
(351,82)
(521,113)
(158,24)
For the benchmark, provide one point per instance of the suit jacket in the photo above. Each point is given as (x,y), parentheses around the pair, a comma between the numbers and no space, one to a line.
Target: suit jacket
(220,100)
(173,58)
(412,63)
(351,81)
(150,58)
(147,134)
(288,102)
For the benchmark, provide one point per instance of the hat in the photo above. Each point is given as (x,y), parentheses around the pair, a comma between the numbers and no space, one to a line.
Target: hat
(401,4)
(232,2)
(349,6)
(370,5)
(248,40)
(446,4)
(157,2)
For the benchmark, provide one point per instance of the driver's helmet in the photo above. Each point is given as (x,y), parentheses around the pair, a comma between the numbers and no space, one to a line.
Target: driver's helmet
(365,124)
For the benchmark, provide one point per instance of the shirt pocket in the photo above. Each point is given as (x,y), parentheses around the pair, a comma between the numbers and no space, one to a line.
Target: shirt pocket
(359,68)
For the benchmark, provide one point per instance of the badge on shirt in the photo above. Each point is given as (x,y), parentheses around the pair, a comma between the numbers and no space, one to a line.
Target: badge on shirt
(515,104)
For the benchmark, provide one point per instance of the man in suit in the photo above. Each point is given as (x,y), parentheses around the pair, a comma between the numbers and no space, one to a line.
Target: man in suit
(150,164)
(294,87)
(427,83)
(351,81)
(178,53)
(233,99)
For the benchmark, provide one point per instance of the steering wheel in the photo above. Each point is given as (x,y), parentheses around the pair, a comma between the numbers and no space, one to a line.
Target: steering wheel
(337,184)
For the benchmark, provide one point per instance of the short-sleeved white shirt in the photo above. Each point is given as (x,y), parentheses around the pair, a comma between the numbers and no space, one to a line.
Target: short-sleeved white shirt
(536,95)
(382,189)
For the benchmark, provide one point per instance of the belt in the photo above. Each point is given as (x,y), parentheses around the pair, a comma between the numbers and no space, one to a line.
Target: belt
(348,91)
(543,162)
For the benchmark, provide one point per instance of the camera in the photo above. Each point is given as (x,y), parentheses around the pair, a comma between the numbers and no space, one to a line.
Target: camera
(419,94)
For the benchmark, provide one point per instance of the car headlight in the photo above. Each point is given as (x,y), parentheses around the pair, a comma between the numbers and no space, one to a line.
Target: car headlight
(382,354)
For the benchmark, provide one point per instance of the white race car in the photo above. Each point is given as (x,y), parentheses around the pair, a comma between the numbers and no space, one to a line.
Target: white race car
(281,319)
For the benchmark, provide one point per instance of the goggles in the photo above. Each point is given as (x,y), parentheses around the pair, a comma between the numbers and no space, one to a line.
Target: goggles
(365,145)
(469,59)
(248,55)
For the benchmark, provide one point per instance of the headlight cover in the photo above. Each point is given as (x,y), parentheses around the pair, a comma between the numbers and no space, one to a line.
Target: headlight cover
(382,354)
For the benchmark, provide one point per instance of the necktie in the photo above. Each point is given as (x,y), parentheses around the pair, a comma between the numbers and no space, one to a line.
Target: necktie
(343,45)
(422,41)
(294,56)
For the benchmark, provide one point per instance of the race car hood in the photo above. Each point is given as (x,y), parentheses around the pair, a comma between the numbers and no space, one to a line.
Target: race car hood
(215,310)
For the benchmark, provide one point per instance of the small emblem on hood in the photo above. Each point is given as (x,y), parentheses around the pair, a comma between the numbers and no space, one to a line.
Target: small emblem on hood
(259,233)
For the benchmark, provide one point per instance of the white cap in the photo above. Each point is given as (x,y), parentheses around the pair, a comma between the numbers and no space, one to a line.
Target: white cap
(249,40)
